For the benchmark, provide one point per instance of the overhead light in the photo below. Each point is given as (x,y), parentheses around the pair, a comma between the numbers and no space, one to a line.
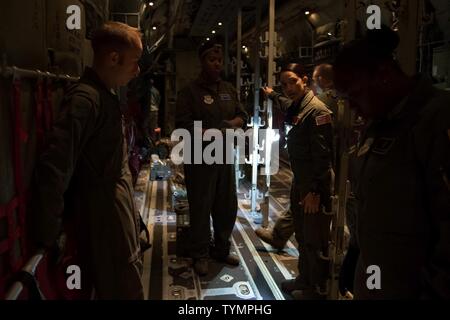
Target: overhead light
(207,39)
(220,23)
(243,47)
(307,12)
(154,28)
(214,31)
(151,4)
(330,34)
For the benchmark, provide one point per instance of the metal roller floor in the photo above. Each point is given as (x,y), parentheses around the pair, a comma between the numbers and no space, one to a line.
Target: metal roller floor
(262,267)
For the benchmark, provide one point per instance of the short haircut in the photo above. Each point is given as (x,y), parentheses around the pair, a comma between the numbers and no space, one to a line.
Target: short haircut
(296,68)
(114,36)
(209,46)
(325,70)
(365,55)
(376,46)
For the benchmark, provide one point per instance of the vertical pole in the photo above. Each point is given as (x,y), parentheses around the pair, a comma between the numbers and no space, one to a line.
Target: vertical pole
(238,52)
(226,60)
(270,58)
(270,83)
(350,14)
(238,84)
(237,167)
(169,105)
(409,33)
(256,119)
(344,120)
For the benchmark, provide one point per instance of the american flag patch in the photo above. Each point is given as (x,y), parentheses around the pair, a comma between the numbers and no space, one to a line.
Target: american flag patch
(321,120)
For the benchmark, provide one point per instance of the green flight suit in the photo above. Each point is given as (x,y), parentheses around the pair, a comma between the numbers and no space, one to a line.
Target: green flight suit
(310,148)
(403,216)
(211,188)
(83,175)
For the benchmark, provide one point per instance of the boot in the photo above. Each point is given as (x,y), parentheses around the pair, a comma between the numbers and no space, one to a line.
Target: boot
(289,286)
(229,259)
(268,237)
(201,266)
(307,295)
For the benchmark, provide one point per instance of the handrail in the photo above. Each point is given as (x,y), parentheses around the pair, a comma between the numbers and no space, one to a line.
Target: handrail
(29,268)
(14,71)
(33,263)
(15,291)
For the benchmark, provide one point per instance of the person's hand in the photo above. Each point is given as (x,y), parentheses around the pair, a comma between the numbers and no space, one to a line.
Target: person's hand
(267,90)
(311,203)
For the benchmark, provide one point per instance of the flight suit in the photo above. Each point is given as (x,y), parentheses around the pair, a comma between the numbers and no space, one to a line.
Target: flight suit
(310,145)
(403,216)
(284,226)
(329,98)
(281,102)
(84,173)
(211,188)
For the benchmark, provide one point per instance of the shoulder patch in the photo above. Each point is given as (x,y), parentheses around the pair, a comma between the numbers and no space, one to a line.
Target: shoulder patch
(323,119)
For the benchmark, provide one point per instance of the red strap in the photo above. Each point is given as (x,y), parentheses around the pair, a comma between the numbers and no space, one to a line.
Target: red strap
(7,244)
(19,136)
(7,208)
(48,107)
(39,105)
(8,211)
(15,227)
(4,245)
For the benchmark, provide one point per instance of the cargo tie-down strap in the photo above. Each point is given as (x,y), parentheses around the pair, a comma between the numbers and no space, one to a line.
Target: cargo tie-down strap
(16,230)
(43,110)
(38,113)
(48,105)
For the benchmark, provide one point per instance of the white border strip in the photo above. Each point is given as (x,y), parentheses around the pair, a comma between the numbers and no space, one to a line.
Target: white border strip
(260,263)
(247,271)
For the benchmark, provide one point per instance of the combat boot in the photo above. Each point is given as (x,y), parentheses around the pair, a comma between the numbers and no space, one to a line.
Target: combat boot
(268,237)
(289,286)
(307,295)
(230,259)
(201,266)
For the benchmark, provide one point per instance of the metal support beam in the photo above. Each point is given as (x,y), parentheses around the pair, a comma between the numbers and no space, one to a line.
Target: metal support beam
(238,173)
(344,122)
(409,33)
(270,83)
(170,80)
(26,73)
(226,61)
(238,51)
(271,56)
(256,121)
(350,16)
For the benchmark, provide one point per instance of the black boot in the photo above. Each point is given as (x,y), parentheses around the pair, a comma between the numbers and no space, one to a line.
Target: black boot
(230,259)
(201,266)
(289,286)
